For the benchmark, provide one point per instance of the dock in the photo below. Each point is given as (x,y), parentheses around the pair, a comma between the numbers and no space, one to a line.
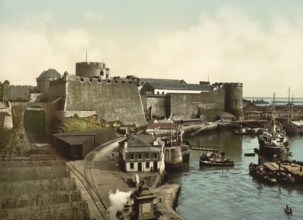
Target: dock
(204,148)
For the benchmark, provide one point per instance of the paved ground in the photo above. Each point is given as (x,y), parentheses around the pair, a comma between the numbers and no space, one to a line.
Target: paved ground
(103,175)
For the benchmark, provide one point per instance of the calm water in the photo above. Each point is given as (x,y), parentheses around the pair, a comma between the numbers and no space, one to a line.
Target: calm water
(231,193)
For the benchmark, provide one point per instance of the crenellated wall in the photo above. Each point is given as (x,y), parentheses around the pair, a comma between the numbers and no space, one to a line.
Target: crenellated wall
(112,100)
(92,69)
(16,93)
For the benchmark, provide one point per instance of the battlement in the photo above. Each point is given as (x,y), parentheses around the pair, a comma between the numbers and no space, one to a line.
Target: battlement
(21,87)
(234,84)
(96,80)
(91,64)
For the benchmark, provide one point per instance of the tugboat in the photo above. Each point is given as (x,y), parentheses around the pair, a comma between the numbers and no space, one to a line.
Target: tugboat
(215,159)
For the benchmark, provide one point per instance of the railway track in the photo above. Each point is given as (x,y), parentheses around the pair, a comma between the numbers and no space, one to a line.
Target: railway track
(98,206)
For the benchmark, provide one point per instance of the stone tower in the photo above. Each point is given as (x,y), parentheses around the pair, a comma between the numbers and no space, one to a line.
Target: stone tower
(92,70)
(233,99)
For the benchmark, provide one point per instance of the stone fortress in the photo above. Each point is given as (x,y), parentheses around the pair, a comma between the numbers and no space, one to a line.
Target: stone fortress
(129,99)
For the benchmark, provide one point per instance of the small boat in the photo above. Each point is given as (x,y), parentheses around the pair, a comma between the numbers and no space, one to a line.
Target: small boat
(249,154)
(241,131)
(215,159)
(288,210)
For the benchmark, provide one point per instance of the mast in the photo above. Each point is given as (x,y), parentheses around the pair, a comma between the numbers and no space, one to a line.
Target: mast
(273,116)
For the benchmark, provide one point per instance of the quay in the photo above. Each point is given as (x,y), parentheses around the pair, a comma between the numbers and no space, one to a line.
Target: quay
(106,179)
(203,148)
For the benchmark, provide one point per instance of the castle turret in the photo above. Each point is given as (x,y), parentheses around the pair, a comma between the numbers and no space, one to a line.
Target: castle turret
(92,69)
(233,99)
(44,80)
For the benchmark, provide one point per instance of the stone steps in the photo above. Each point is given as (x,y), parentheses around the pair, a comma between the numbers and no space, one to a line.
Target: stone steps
(71,210)
(37,186)
(41,189)
(39,199)
(11,174)
(31,163)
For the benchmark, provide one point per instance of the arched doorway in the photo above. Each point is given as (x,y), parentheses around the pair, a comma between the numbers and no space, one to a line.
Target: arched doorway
(34,122)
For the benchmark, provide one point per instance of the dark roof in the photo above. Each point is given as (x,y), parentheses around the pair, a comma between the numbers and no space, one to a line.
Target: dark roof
(140,140)
(74,140)
(81,133)
(181,86)
(142,81)
(50,73)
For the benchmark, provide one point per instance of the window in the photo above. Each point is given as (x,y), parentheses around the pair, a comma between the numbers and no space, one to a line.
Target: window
(147,165)
(132,156)
(155,155)
(147,155)
(131,166)
(140,156)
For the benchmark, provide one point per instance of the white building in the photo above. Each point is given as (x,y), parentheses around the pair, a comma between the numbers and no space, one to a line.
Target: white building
(139,153)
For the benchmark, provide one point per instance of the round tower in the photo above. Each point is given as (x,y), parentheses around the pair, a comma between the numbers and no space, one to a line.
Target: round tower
(233,99)
(92,69)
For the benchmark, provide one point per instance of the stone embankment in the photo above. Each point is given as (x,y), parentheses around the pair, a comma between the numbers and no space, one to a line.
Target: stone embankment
(39,190)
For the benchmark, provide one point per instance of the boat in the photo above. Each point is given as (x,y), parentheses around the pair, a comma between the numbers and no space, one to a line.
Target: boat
(215,159)
(288,210)
(273,142)
(260,101)
(283,177)
(259,172)
(241,131)
(249,154)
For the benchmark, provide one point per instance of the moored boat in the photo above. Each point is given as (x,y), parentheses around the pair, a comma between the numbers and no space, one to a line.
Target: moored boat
(258,172)
(215,159)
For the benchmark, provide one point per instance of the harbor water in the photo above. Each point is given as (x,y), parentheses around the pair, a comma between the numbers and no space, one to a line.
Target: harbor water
(232,193)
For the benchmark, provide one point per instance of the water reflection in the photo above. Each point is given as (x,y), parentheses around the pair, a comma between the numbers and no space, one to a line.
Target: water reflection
(214,193)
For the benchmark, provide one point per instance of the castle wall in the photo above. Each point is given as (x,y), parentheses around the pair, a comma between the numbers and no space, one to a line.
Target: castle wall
(111,100)
(154,105)
(205,105)
(19,93)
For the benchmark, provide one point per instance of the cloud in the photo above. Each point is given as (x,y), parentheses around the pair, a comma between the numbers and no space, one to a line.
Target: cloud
(226,46)
(93,16)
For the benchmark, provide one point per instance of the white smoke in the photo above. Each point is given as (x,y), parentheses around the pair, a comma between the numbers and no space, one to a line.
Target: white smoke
(117,201)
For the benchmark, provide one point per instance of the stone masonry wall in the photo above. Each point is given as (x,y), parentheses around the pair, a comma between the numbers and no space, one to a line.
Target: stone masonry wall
(186,106)
(19,93)
(111,101)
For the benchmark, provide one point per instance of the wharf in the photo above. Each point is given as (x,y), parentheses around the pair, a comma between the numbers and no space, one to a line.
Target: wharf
(204,148)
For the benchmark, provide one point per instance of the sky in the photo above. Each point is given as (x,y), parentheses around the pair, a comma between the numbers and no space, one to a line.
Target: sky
(258,43)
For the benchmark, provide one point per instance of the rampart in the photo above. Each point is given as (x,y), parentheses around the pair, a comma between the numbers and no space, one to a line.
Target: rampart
(17,93)
(112,100)
(204,105)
